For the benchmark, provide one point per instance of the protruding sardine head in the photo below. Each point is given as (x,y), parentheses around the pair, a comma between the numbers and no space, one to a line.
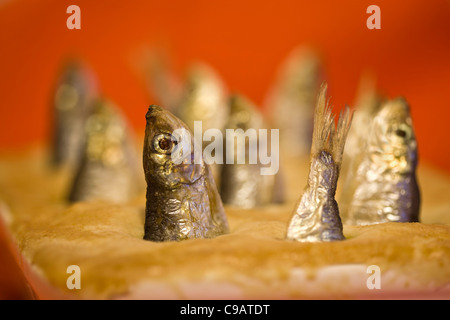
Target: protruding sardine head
(182,198)
(169,150)
(106,133)
(393,140)
(243,114)
(109,166)
(205,99)
(291,100)
(368,102)
(73,96)
(302,71)
(242,183)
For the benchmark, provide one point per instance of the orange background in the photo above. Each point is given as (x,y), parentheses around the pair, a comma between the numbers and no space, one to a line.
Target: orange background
(245,41)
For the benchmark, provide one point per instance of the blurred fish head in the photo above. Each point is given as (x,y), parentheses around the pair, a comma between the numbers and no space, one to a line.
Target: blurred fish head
(302,71)
(205,98)
(393,137)
(243,114)
(108,169)
(106,135)
(169,151)
(75,90)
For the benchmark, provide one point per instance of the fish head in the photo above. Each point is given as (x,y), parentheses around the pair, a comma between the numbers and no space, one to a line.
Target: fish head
(74,92)
(205,98)
(302,72)
(106,135)
(169,151)
(108,169)
(243,114)
(393,138)
(76,86)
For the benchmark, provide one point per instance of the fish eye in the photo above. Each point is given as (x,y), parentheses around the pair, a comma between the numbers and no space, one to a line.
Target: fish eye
(400,133)
(240,125)
(164,143)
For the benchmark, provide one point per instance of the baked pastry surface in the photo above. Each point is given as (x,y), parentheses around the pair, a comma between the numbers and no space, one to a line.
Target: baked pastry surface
(253,261)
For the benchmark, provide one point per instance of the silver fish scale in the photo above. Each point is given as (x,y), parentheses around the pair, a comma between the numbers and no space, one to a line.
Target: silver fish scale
(94,181)
(182,199)
(316,217)
(242,184)
(72,105)
(109,166)
(381,184)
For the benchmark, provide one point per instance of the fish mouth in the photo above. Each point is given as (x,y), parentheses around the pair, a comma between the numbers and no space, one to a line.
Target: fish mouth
(151,110)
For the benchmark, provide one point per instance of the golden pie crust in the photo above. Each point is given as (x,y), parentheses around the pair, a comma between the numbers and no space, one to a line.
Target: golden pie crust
(253,261)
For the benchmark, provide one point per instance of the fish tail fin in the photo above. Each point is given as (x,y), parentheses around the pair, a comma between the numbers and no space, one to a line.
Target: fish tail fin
(340,136)
(323,124)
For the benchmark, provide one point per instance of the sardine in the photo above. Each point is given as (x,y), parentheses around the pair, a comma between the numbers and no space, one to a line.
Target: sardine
(73,97)
(291,100)
(383,186)
(242,184)
(316,216)
(109,169)
(205,99)
(367,104)
(182,198)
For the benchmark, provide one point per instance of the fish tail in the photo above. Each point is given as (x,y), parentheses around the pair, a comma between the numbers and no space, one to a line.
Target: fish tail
(323,124)
(340,136)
